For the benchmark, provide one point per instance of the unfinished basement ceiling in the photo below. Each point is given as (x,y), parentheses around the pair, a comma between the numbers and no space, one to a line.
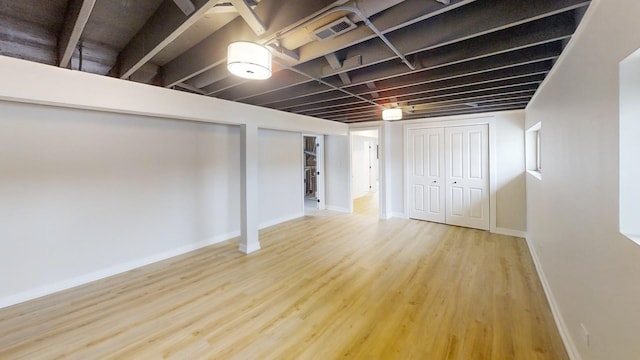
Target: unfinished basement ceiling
(447,57)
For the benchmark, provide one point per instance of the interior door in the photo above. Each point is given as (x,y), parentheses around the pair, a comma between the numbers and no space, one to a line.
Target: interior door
(467,176)
(426,174)
(320,171)
(373,166)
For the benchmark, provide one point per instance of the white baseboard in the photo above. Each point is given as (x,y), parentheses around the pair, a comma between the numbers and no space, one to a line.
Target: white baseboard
(110,271)
(511,232)
(120,268)
(337,209)
(555,309)
(250,248)
(277,221)
(398,215)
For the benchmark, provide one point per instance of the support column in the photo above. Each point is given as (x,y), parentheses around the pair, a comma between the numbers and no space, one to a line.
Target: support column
(249,238)
(384,170)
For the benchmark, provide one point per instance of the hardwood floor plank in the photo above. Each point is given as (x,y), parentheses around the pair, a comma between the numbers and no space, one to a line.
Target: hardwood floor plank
(325,286)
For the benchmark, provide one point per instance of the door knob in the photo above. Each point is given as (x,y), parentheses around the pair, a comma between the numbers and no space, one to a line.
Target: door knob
(455,182)
(433,182)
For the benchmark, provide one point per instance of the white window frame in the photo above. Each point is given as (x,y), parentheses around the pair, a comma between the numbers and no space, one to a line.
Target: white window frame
(533,150)
(629,148)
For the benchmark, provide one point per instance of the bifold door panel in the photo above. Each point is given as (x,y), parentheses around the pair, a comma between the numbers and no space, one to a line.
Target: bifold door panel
(448,175)
(426,171)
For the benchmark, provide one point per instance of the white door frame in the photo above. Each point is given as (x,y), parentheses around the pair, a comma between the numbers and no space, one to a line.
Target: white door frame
(490,121)
(382,167)
(319,166)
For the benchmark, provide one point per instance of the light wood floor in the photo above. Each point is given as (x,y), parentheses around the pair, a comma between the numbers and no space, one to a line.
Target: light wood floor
(326,286)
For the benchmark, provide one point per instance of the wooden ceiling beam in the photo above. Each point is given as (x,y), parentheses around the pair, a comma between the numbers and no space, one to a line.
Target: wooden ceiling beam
(212,51)
(164,26)
(550,29)
(75,20)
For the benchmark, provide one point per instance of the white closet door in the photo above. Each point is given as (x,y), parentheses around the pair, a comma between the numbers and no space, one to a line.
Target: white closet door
(467,176)
(426,174)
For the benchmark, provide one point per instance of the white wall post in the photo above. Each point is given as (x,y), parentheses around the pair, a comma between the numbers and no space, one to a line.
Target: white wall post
(249,237)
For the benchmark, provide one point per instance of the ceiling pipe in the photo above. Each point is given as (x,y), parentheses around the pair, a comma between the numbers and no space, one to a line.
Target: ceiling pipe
(361,15)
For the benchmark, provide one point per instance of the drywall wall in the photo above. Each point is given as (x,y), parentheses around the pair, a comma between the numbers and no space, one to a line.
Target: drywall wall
(218,181)
(591,270)
(510,165)
(396,175)
(280,176)
(511,204)
(34,83)
(338,196)
(86,194)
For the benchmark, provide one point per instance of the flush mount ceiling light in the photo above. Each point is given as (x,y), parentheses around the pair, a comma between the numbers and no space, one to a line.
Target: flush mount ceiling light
(249,60)
(392,114)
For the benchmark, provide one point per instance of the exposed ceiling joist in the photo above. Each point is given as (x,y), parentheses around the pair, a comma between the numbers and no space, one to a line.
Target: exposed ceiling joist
(212,51)
(465,94)
(166,24)
(395,75)
(505,77)
(438,32)
(458,56)
(327,99)
(405,13)
(542,31)
(545,29)
(77,16)
(190,88)
(249,16)
(146,73)
(344,77)
(186,6)
(540,68)
(333,61)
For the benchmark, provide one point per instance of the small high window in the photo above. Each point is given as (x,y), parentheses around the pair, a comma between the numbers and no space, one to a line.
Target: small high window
(629,191)
(533,143)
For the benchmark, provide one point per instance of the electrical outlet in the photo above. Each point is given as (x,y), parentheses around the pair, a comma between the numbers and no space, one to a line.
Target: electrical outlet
(585,334)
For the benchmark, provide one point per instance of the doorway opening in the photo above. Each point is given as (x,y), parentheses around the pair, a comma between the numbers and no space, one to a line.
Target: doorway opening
(365,171)
(313,168)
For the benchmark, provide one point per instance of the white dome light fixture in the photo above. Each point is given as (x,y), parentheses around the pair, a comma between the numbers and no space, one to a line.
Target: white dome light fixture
(249,60)
(392,114)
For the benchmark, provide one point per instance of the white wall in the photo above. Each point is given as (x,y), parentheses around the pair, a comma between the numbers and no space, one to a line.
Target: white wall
(396,173)
(218,177)
(511,183)
(85,194)
(280,176)
(593,272)
(82,90)
(510,187)
(336,149)
(129,189)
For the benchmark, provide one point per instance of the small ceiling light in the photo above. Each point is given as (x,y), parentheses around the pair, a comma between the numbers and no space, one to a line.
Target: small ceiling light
(249,60)
(392,114)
